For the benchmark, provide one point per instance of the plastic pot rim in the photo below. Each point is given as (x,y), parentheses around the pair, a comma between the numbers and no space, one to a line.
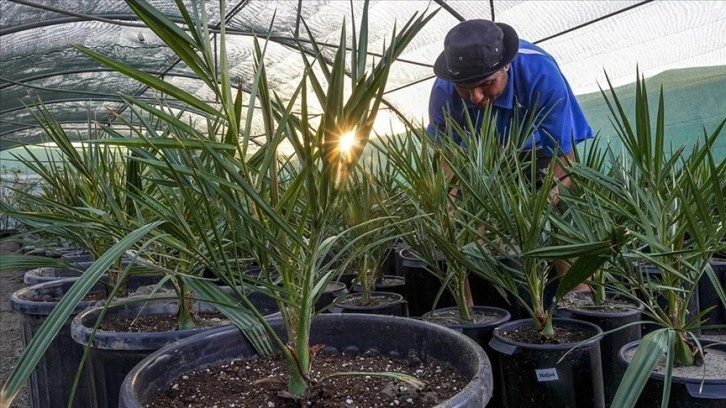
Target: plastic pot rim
(595,338)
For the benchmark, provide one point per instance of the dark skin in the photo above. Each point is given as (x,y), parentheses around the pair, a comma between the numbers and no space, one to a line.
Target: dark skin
(483,92)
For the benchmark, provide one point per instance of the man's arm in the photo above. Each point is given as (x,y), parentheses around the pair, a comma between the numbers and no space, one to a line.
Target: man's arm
(561,175)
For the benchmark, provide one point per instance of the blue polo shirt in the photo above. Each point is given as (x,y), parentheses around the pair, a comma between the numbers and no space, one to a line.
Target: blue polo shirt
(535,82)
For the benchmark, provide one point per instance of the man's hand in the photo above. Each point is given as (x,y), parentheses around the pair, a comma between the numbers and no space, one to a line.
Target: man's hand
(555,194)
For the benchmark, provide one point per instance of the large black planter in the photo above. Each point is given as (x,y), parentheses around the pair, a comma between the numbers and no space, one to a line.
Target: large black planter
(51,382)
(685,392)
(481,333)
(387,303)
(113,354)
(537,375)
(394,336)
(611,343)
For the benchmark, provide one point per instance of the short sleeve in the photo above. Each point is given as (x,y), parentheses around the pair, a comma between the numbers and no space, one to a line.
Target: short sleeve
(443,98)
(564,123)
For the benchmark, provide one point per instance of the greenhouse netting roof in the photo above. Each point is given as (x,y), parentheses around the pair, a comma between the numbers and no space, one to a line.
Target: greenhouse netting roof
(588,38)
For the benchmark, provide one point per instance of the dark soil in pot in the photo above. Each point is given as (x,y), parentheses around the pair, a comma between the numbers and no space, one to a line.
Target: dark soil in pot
(160,323)
(422,349)
(259,382)
(614,313)
(383,303)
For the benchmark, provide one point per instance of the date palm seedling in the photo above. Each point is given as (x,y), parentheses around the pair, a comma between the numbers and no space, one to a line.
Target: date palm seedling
(275,198)
(83,198)
(672,201)
(364,218)
(433,226)
(475,206)
(517,222)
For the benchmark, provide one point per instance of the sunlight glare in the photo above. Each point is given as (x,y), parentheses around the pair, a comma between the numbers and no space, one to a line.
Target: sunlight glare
(346,142)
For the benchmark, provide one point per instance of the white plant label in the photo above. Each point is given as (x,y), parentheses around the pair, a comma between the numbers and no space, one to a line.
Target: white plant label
(547,374)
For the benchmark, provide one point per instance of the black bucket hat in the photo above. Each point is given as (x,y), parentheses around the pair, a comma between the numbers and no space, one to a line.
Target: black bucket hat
(475,49)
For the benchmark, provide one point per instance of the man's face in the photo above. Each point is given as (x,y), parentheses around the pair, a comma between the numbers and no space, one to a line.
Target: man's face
(486,90)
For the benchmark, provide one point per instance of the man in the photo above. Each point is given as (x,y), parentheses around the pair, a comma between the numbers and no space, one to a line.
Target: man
(485,63)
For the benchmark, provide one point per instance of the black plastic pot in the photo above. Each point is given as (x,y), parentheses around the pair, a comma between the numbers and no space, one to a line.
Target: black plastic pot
(394,337)
(611,343)
(685,392)
(267,305)
(707,296)
(4,233)
(388,283)
(51,382)
(332,291)
(113,354)
(388,265)
(263,302)
(392,283)
(483,293)
(77,256)
(550,375)
(387,303)
(347,279)
(48,274)
(421,286)
(481,333)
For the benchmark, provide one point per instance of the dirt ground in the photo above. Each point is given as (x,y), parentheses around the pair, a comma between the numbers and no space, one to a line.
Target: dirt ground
(10,343)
